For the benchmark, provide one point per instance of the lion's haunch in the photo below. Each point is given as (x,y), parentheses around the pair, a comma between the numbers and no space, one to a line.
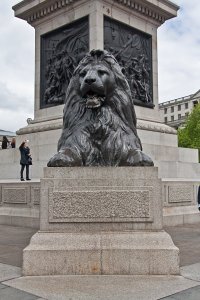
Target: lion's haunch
(99,122)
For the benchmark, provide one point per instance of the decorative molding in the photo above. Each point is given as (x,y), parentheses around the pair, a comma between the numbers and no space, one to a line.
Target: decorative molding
(35,195)
(14,195)
(26,194)
(101,205)
(179,194)
(143,9)
(41,10)
(157,127)
(40,128)
(141,124)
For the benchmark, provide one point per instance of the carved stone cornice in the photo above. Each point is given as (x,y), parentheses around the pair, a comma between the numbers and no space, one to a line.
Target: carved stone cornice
(33,10)
(141,124)
(159,12)
(154,126)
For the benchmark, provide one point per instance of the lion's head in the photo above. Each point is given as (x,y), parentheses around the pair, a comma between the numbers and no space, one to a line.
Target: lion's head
(99,121)
(97,82)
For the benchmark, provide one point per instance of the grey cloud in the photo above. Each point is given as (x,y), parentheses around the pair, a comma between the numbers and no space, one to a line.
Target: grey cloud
(178,52)
(13,120)
(14,102)
(16,68)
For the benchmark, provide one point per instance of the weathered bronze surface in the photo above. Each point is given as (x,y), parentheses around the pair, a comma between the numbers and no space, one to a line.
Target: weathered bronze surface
(61,52)
(99,122)
(133,50)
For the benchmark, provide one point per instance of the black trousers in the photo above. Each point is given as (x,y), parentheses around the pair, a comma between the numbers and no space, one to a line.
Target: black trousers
(22,171)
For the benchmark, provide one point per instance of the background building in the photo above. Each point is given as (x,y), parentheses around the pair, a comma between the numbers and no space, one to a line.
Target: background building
(175,112)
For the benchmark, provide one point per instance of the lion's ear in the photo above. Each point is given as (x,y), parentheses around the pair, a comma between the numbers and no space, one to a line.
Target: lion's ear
(123,70)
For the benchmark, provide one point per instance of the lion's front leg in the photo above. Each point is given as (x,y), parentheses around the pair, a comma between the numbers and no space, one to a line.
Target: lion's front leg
(74,149)
(65,158)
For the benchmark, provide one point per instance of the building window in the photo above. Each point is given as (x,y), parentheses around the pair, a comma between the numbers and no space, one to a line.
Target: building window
(187,114)
(165,110)
(179,107)
(179,116)
(186,105)
(195,103)
(165,119)
(172,109)
(172,118)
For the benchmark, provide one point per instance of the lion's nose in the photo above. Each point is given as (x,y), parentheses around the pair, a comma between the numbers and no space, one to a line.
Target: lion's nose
(90,80)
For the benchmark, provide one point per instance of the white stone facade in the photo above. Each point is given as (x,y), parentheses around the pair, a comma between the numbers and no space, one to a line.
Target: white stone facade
(174,112)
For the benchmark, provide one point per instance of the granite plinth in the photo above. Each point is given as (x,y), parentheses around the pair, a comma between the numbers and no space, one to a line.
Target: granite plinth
(101,221)
(101,253)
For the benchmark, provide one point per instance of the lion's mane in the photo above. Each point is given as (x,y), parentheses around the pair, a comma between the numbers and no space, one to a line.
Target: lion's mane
(104,136)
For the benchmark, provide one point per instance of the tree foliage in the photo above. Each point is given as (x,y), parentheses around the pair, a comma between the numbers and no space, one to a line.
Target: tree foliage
(189,136)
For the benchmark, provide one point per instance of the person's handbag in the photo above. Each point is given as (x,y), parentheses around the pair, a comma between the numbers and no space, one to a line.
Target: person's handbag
(30,160)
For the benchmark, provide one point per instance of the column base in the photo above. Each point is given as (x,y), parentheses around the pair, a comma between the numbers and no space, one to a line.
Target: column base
(110,253)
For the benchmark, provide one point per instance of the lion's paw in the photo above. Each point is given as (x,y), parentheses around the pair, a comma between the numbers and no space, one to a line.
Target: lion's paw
(138,158)
(64,159)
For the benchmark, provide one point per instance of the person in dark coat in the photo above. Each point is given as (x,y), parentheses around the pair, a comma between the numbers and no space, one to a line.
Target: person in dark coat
(24,161)
(13,143)
(5,142)
(198,198)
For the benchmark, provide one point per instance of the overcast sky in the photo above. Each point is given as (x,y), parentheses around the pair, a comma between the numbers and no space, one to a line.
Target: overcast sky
(178,58)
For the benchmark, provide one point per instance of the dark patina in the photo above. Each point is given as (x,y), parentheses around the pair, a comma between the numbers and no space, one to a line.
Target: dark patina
(99,122)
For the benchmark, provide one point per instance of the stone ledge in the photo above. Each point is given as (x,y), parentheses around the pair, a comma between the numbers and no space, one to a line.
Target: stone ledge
(25,217)
(57,124)
(125,253)
(32,10)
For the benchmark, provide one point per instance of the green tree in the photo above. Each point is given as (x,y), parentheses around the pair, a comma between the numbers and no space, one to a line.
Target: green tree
(189,136)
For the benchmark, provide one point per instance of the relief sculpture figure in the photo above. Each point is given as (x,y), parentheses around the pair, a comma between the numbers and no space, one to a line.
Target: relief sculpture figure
(99,121)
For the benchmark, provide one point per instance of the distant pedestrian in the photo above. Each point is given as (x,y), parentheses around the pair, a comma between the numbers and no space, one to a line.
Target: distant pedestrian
(13,143)
(25,160)
(5,142)
(198,198)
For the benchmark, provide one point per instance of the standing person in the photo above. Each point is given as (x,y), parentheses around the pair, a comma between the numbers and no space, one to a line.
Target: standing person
(198,198)
(5,142)
(13,143)
(24,161)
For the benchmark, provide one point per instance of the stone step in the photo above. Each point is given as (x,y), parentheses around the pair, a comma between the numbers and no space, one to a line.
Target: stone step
(156,152)
(173,169)
(168,153)
(171,161)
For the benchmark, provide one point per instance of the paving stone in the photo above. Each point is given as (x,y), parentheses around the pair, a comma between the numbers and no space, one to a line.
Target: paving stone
(9,272)
(2,286)
(13,240)
(102,287)
(191,272)
(189,294)
(187,238)
(9,293)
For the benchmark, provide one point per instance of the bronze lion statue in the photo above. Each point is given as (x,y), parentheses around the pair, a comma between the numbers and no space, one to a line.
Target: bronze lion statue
(99,121)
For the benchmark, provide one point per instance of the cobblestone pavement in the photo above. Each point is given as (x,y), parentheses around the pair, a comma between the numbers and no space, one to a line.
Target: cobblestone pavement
(187,239)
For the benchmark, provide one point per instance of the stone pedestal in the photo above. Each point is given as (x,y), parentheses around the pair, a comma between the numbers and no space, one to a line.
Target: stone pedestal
(101,221)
